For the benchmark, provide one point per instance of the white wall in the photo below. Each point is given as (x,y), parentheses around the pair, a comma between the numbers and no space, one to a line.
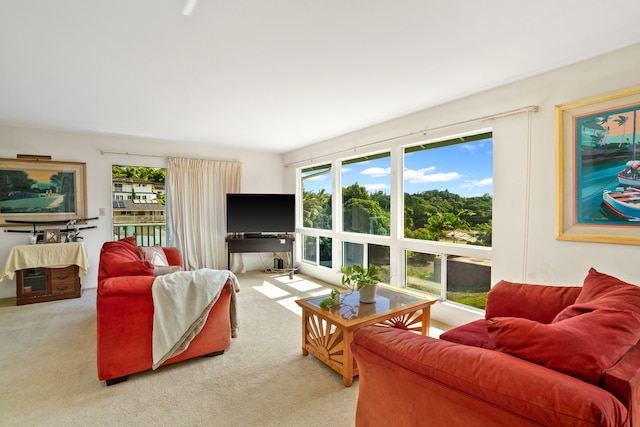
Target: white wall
(523,250)
(261,173)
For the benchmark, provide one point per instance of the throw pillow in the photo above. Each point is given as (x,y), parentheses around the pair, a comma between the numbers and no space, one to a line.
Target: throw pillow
(155,254)
(601,291)
(124,247)
(116,265)
(531,301)
(582,346)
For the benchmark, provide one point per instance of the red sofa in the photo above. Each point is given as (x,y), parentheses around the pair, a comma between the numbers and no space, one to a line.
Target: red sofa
(125,313)
(543,356)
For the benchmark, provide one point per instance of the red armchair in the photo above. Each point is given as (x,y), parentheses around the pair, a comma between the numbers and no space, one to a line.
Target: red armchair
(125,314)
(544,355)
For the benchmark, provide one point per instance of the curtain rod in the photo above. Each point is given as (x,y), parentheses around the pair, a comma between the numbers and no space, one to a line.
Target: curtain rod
(102,152)
(527,109)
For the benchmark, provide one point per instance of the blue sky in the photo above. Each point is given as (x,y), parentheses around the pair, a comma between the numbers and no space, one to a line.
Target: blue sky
(464,169)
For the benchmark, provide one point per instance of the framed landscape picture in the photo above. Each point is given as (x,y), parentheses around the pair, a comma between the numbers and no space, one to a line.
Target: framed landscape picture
(598,168)
(41,190)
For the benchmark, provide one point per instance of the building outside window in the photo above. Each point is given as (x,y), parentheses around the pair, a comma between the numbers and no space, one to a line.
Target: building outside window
(139,204)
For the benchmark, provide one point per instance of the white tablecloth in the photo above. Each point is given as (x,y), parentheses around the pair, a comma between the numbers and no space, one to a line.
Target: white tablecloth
(49,255)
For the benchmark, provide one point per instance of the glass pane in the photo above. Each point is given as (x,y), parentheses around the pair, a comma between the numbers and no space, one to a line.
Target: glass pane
(423,272)
(366,182)
(309,248)
(325,252)
(448,191)
(316,197)
(380,255)
(352,253)
(468,280)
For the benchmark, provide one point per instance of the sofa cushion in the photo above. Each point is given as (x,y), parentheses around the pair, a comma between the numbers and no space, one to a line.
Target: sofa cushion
(581,346)
(602,291)
(155,254)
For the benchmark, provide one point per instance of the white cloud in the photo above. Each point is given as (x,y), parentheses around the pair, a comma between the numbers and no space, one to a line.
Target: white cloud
(478,183)
(376,172)
(376,187)
(423,176)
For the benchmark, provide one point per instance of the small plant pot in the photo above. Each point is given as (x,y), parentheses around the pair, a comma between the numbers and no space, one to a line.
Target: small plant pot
(368,294)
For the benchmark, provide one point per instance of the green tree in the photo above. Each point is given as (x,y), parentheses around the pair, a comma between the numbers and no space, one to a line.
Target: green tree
(316,209)
(365,216)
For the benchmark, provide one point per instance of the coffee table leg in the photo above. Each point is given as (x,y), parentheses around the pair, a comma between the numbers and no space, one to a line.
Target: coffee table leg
(305,331)
(426,320)
(347,375)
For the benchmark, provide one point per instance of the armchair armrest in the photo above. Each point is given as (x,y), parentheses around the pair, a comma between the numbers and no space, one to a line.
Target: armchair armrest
(535,302)
(126,285)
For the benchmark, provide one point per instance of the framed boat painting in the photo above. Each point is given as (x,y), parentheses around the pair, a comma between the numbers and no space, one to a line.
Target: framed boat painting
(598,168)
(41,190)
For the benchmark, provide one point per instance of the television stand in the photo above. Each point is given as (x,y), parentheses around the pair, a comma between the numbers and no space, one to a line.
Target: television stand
(259,244)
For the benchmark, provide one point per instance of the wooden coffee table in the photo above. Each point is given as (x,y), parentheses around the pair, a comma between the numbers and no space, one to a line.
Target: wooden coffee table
(328,334)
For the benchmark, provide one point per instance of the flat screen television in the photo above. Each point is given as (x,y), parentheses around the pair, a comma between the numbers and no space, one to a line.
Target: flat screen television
(261,213)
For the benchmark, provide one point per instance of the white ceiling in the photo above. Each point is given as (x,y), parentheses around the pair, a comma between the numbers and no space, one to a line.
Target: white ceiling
(276,75)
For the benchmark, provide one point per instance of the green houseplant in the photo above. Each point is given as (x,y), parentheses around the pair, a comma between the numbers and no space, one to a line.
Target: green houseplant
(364,280)
(357,278)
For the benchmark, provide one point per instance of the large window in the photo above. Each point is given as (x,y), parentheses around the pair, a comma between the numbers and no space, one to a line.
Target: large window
(448,189)
(435,236)
(366,204)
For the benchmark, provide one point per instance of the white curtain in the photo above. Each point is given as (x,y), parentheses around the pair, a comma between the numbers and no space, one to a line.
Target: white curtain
(196,209)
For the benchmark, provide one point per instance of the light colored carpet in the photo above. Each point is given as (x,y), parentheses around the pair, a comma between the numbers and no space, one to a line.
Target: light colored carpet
(48,370)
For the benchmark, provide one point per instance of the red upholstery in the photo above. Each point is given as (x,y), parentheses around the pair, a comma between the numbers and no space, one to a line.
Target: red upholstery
(461,380)
(125,318)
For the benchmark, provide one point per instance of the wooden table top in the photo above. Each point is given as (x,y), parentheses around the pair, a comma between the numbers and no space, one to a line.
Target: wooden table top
(352,313)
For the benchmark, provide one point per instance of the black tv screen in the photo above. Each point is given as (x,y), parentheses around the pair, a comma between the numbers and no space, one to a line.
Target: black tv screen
(261,213)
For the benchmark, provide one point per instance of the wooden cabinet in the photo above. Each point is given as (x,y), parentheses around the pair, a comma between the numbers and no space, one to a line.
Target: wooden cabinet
(47,284)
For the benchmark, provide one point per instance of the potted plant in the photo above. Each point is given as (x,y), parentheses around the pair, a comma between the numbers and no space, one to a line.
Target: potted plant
(364,280)
(357,278)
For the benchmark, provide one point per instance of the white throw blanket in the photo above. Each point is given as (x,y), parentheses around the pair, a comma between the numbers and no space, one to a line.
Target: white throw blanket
(181,303)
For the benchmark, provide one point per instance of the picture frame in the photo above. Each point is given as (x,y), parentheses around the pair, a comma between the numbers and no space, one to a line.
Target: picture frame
(51,235)
(598,167)
(41,191)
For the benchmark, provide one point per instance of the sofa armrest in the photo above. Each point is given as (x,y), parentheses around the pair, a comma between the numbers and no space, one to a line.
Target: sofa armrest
(174,256)
(623,381)
(535,302)
(494,378)
(126,285)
